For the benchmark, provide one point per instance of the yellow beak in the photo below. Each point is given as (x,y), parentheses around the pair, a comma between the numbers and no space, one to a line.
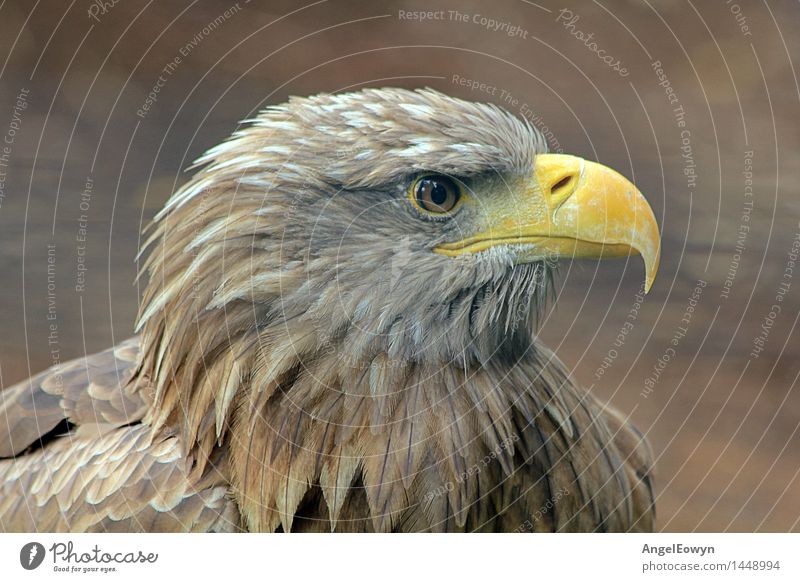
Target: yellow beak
(571,208)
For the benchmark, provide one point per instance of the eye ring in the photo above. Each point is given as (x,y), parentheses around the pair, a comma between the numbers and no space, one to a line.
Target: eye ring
(435,194)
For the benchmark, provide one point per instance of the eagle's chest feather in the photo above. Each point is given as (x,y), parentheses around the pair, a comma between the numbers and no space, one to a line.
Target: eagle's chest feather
(397,446)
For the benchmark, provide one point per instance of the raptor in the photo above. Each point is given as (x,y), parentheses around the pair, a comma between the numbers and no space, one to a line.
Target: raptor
(339,333)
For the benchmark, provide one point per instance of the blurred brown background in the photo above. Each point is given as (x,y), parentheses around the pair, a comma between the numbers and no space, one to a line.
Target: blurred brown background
(723,420)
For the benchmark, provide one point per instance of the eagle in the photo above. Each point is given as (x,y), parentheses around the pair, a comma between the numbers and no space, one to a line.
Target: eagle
(339,333)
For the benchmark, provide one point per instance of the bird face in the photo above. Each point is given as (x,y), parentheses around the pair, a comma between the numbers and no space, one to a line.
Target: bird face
(568,207)
(424,226)
(452,214)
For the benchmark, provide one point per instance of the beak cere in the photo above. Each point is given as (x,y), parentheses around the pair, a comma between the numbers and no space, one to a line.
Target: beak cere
(570,208)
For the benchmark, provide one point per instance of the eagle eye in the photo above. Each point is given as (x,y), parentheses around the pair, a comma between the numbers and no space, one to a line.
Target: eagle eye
(435,194)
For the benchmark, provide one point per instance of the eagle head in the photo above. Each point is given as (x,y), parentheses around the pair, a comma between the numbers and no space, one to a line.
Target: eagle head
(349,240)
(408,222)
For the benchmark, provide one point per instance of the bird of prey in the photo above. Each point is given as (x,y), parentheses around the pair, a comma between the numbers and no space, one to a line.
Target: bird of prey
(339,333)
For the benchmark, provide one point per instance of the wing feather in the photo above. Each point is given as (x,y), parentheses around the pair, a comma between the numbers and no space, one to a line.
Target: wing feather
(94,391)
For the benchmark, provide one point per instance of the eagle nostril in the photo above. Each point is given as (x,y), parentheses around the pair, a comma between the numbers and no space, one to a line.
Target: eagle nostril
(562,190)
(561,187)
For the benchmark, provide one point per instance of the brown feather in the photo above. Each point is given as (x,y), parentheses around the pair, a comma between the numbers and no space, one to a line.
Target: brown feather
(301,368)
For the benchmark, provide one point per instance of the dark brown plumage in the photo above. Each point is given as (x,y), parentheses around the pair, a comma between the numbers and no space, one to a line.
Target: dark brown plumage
(319,352)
